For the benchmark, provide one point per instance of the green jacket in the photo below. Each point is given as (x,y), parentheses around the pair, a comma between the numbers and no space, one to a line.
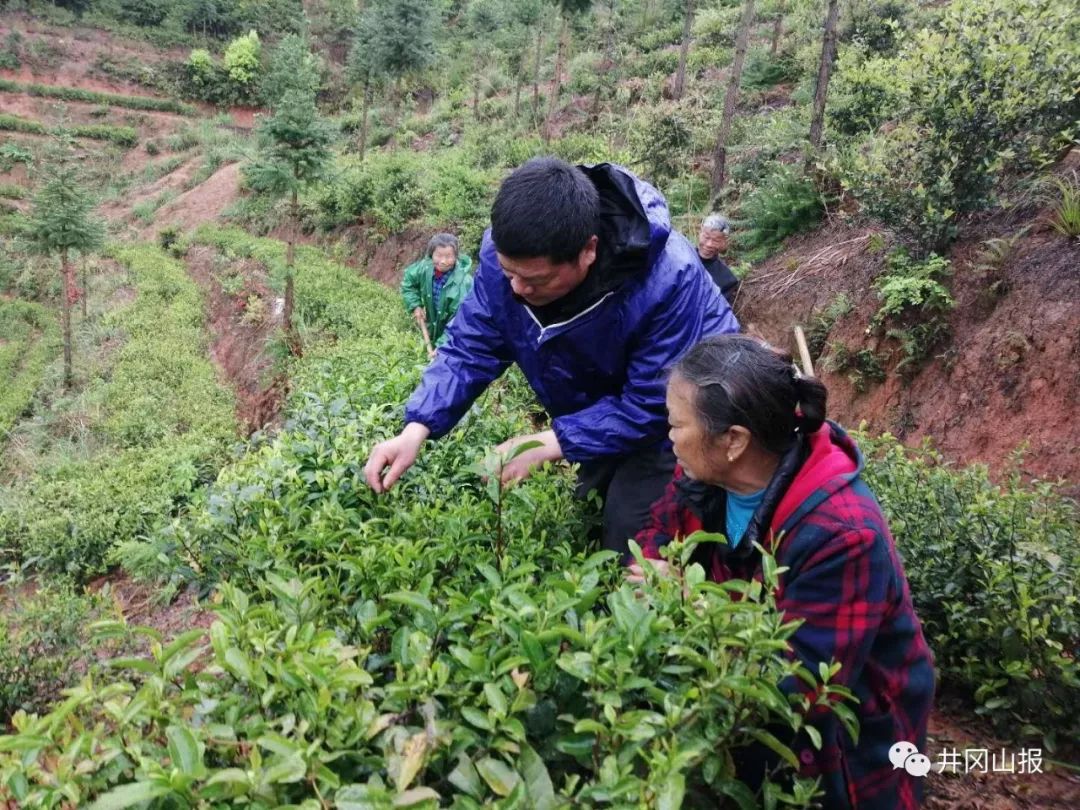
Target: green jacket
(416,291)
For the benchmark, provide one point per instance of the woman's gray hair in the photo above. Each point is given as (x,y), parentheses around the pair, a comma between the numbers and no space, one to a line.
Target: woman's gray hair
(716,222)
(442,240)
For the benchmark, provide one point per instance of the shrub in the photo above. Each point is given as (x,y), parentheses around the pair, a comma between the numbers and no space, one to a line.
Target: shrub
(460,200)
(41,641)
(661,142)
(241,58)
(764,70)
(995,576)
(984,94)
(10,51)
(715,27)
(785,203)
(864,93)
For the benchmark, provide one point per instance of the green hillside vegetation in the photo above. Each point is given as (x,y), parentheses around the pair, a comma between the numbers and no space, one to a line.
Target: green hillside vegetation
(457,643)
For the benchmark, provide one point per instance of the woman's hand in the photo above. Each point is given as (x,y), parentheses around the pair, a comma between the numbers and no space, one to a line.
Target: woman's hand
(635,574)
(419,315)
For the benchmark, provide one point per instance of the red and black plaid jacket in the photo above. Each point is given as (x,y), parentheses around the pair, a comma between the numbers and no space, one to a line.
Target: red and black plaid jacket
(846,581)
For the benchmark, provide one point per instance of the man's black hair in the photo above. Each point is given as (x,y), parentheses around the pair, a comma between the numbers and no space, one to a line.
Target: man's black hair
(546,207)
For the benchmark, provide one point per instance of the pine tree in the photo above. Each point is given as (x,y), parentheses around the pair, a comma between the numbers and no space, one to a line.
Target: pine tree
(60,223)
(293,153)
(292,67)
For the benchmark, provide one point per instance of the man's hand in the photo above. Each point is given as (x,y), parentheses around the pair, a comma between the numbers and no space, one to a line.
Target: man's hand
(520,467)
(419,315)
(431,354)
(398,453)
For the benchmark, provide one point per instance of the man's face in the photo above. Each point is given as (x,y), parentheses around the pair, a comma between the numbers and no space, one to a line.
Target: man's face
(711,243)
(539,281)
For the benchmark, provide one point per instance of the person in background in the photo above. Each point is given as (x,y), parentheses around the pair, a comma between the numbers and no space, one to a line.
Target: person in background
(583,283)
(758,463)
(712,245)
(434,287)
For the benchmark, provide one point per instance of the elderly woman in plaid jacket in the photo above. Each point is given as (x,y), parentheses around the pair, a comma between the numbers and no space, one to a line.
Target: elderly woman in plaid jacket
(759,464)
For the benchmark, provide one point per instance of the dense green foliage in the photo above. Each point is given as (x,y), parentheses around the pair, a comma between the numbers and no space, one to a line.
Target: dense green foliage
(168,424)
(416,646)
(41,640)
(30,342)
(96,97)
(991,86)
(995,575)
(123,136)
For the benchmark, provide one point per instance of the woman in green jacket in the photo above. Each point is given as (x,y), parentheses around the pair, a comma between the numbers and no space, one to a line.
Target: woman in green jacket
(434,287)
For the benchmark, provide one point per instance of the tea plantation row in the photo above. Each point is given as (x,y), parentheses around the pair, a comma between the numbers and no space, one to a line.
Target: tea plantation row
(455,644)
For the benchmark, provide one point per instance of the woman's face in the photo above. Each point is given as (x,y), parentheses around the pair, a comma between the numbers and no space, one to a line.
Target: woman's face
(444,257)
(699,453)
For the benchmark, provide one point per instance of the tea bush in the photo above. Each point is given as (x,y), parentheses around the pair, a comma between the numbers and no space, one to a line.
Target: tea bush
(995,575)
(42,641)
(94,97)
(452,643)
(122,136)
(166,428)
(30,343)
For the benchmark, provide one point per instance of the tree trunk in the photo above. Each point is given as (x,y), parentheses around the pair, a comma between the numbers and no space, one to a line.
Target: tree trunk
(821,89)
(68,298)
(517,97)
(778,30)
(684,48)
(399,92)
(608,64)
(730,97)
(556,89)
(476,98)
(536,69)
(85,289)
(364,115)
(290,256)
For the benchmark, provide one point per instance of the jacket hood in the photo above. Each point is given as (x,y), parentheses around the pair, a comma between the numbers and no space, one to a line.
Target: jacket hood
(634,222)
(832,463)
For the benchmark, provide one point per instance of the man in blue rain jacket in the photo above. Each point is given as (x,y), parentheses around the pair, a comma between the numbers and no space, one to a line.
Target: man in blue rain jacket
(583,283)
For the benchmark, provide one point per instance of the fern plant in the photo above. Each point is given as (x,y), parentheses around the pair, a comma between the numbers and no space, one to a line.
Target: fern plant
(1065,212)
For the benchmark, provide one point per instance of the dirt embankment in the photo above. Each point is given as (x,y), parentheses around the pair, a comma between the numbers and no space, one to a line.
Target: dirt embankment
(242,323)
(1007,376)
(204,203)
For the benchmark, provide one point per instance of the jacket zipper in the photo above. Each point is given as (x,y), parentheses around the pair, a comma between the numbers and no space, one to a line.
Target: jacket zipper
(544,329)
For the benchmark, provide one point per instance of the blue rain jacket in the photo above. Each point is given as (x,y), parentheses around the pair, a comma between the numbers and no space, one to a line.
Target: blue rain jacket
(601,372)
